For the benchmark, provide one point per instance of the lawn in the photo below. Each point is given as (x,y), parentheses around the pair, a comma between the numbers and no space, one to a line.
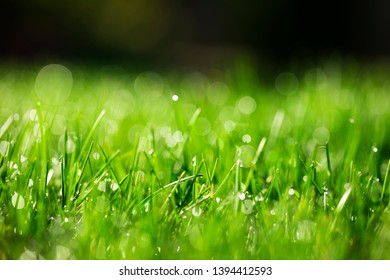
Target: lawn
(106,163)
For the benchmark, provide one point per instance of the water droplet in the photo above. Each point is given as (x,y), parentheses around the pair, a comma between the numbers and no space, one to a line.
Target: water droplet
(241,195)
(102,186)
(259,198)
(114,186)
(17,201)
(291,191)
(33,115)
(70,146)
(175,97)
(196,211)
(217,199)
(66,220)
(375,149)
(96,156)
(246,138)
(30,182)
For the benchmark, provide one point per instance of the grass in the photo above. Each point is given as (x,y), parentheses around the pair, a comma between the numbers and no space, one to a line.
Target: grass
(109,164)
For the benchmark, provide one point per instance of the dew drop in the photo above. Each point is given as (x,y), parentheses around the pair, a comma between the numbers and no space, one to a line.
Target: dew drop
(241,196)
(33,115)
(96,156)
(102,186)
(291,191)
(246,138)
(196,211)
(17,201)
(114,186)
(175,97)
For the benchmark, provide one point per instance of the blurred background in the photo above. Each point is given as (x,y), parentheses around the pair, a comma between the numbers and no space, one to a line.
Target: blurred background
(198,34)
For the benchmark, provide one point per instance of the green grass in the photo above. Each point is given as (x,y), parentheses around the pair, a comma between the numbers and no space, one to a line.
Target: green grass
(109,164)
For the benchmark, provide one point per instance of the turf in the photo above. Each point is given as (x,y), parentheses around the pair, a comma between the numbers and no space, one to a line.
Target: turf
(113,164)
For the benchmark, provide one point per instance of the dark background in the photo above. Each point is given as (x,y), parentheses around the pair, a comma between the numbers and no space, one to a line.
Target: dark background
(198,34)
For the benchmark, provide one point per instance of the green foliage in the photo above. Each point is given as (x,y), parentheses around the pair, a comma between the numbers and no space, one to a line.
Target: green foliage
(144,167)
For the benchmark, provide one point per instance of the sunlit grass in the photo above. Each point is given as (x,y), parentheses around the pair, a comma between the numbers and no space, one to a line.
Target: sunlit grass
(109,164)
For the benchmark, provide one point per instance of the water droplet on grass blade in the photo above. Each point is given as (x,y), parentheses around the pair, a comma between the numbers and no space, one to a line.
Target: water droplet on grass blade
(33,115)
(102,186)
(196,211)
(114,186)
(246,138)
(70,146)
(17,201)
